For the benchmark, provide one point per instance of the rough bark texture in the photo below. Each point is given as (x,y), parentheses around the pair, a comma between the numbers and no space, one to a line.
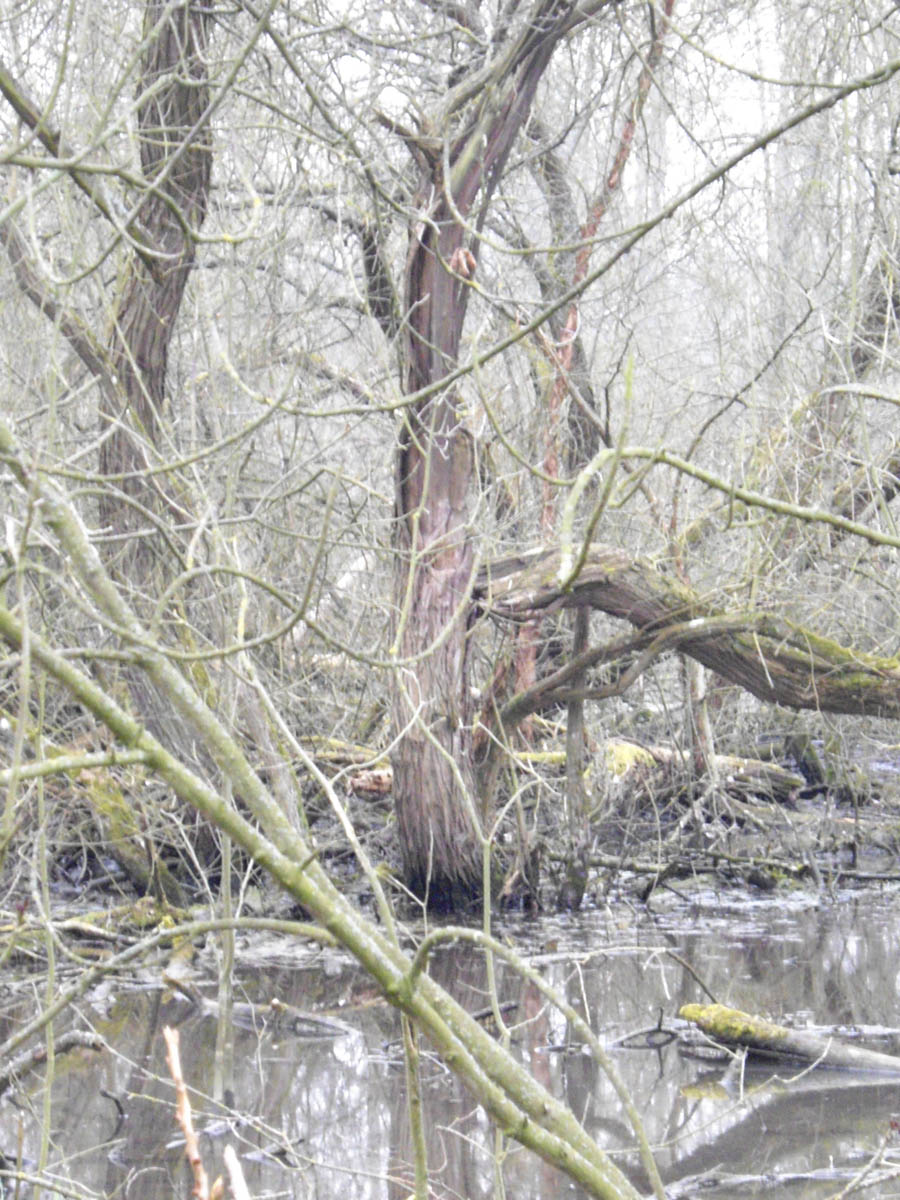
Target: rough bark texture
(176,158)
(772,658)
(435,466)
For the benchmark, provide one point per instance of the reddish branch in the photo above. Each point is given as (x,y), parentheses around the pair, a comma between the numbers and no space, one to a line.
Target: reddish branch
(562,355)
(184,1115)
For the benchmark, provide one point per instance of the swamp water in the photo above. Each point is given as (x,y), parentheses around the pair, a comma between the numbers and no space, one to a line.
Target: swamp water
(319,1110)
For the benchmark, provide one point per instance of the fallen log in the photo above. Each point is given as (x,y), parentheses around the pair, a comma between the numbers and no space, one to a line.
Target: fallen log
(775,659)
(740,776)
(762,1038)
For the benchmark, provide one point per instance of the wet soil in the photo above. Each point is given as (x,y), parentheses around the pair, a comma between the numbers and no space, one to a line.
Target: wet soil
(790,910)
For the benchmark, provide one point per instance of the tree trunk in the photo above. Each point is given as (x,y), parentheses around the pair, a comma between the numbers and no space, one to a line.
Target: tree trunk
(434,774)
(175,148)
(176,157)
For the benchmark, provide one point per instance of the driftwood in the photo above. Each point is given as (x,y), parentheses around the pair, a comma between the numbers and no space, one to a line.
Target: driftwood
(275,1014)
(37,1055)
(774,659)
(762,1038)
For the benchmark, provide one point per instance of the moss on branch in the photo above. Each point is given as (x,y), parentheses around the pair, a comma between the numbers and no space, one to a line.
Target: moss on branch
(776,660)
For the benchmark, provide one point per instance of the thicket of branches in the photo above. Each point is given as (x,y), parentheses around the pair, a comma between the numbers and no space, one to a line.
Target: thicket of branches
(311,316)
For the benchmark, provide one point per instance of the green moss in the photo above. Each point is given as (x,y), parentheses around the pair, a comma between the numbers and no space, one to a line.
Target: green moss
(621,756)
(132,847)
(730,1024)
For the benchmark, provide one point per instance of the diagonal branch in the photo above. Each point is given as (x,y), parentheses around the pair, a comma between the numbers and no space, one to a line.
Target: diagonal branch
(772,658)
(70,324)
(28,111)
(508,1092)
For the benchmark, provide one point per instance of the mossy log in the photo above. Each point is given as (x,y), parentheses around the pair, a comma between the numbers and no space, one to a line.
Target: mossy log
(737,775)
(733,1028)
(775,659)
(622,759)
(28,939)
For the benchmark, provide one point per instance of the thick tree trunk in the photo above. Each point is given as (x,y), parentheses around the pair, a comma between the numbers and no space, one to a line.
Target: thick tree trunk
(176,157)
(175,148)
(434,775)
(772,658)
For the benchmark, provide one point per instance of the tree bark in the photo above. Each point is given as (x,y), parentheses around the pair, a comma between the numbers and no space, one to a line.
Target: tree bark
(176,154)
(434,774)
(176,157)
(774,659)
(765,1039)
(497,1080)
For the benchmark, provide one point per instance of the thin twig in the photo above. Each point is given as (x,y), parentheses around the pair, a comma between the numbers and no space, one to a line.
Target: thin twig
(183,1113)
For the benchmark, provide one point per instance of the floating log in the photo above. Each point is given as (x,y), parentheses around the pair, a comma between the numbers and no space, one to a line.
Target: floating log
(765,1039)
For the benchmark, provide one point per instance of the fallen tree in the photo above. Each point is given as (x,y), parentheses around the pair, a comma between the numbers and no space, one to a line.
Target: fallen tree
(769,656)
(763,1038)
(742,776)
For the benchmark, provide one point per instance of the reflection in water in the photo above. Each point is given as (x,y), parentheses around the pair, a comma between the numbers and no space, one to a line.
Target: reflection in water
(318,1116)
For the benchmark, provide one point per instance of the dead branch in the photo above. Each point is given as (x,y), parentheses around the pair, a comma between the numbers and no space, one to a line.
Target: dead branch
(183,1113)
(239,1189)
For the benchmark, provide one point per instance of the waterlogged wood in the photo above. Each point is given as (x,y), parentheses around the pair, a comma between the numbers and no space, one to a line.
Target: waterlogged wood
(515,1100)
(12,1072)
(776,660)
(287,1019)
(761,1037)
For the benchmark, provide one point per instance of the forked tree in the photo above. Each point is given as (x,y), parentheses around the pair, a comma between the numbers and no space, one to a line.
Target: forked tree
(461,155)
(461,150)
(173,136)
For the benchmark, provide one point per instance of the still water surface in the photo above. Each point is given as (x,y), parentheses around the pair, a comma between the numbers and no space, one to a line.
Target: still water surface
(325,1116)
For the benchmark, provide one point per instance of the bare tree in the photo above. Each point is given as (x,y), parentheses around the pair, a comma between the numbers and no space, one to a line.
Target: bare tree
(497,209)
(176,157)
(172,99)
(463,162)
(351,434)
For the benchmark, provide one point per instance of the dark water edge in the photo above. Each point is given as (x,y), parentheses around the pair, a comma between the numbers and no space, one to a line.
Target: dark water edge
(314,1115)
